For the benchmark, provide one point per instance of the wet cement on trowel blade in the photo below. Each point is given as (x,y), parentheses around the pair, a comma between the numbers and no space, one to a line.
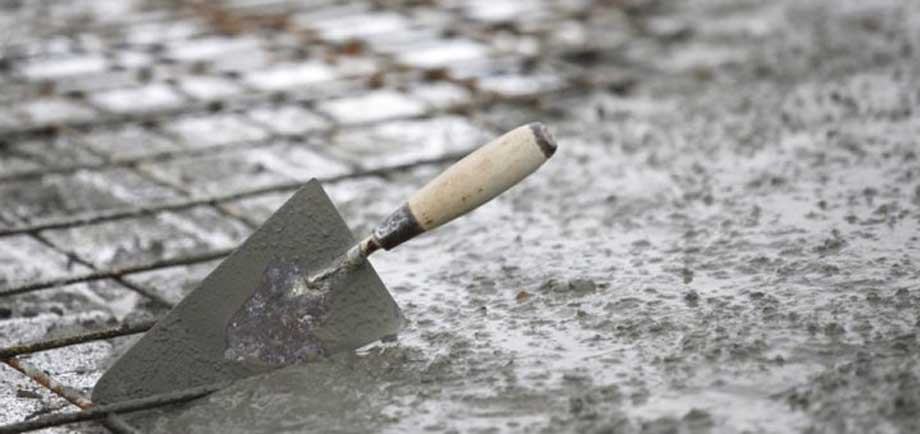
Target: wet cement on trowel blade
(289,321)
(276,325)
(187,348)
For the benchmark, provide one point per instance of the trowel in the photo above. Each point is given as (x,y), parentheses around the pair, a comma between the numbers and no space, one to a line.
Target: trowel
(300,287)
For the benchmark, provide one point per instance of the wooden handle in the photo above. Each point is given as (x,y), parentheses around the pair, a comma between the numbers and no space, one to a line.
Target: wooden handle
(469,183)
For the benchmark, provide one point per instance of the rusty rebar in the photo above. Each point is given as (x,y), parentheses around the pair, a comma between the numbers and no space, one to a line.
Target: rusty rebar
(41,377)
(113,422)
(114,274)
(177,205)
(115,120)
(49,344)
(102,411)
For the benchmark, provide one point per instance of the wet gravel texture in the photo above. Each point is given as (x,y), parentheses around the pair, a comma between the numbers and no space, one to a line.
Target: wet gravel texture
(724,242)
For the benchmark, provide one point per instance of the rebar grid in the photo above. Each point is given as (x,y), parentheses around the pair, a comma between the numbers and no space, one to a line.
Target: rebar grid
(50,344)
(113,422)
(108,410)
(274,137)
(194,201)
(246,98)
(9,357)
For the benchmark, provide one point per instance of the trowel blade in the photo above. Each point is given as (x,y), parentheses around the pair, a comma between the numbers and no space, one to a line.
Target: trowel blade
(188,347)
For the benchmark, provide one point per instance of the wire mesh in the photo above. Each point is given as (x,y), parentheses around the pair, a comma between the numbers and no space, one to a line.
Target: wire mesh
(219,17)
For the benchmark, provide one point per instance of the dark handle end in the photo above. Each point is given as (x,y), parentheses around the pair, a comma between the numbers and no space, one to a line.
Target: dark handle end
(397,228)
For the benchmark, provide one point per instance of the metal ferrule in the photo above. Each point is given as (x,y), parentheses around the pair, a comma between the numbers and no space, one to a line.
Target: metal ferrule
(397,228)
(368,246)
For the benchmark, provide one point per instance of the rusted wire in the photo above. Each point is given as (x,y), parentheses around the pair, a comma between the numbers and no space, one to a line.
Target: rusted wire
(272,139)
(102,411)
(197,108)
(50,344)
(216,199)
(113,422)
(113,274)
(41,377)
(107,119)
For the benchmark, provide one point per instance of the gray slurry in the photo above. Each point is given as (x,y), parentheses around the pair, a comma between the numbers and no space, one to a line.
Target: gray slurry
(726,241)
(729,247)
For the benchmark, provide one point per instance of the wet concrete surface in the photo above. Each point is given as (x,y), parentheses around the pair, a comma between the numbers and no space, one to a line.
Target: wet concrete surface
(725,241)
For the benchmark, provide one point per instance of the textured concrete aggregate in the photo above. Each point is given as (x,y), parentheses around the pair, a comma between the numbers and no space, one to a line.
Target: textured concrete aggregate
(726,240)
